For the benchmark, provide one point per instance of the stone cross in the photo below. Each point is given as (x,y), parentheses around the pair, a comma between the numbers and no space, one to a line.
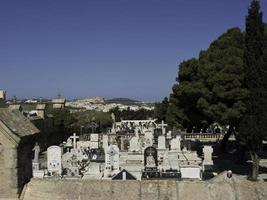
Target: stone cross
(163,127)
(74,137)
(36,150)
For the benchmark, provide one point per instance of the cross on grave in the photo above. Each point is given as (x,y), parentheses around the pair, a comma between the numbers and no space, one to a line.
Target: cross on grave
(74,137)
(163,127)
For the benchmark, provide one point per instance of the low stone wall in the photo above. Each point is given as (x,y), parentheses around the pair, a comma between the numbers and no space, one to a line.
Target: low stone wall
(144,190)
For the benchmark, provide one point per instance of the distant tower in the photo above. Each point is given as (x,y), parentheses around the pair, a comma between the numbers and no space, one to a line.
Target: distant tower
(59,96)
(2,98)
(59,102)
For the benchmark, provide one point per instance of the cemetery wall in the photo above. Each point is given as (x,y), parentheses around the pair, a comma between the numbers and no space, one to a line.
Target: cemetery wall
(8,173)
(24,162)
(144,190)
(15,168)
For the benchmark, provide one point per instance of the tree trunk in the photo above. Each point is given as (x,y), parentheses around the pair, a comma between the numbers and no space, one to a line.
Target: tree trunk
(225,138)
(255,166)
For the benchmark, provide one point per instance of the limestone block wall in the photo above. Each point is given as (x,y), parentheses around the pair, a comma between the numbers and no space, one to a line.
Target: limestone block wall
(15,169)
(8,173)
(143,190)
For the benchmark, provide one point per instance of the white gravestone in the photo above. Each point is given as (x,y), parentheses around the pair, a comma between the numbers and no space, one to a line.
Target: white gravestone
(148,138)
(54,160)
(112,161)
(134,144)
(105,142)
(161,142)
(166,163)
(207,162)
(190,172)
(176,144)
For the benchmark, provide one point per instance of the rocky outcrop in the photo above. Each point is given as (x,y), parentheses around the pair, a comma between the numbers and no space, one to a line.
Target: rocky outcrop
(221,189)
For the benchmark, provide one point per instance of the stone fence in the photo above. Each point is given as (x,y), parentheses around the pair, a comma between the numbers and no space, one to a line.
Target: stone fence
(222,189)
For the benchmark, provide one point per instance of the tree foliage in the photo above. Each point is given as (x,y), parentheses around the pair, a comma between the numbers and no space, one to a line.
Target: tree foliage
(161,109)
(253,125)
(129,114)
(210,89)
(186,92)
(86,119)
(63,122)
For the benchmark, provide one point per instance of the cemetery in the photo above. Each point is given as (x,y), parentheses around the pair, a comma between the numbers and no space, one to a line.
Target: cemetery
(132,150)
(205,138)
(105,155)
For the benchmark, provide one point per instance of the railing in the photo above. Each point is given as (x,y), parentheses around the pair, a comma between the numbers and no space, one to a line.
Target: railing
(204,136)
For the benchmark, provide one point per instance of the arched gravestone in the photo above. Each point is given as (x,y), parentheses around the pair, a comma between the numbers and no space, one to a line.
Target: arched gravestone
(151,157)
(151,164)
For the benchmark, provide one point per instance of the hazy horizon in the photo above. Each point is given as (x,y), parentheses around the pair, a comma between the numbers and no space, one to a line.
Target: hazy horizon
(111,49)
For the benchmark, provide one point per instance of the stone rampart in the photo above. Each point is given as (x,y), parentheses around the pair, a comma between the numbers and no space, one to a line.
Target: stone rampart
(145,190)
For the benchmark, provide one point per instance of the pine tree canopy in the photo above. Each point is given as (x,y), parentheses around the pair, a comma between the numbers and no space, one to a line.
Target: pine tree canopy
(210,89)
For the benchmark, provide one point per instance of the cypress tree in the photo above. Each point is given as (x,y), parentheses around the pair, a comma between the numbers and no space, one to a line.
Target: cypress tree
(253,125)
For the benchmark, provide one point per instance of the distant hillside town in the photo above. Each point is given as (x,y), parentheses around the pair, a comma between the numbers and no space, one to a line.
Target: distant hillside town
(94,103)
(100,104)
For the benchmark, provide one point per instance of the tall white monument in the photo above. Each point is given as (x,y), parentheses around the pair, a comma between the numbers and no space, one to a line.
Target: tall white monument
(74,137)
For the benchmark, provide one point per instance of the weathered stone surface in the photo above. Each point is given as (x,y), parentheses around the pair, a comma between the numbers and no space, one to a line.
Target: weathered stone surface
(144,190)
(193,190)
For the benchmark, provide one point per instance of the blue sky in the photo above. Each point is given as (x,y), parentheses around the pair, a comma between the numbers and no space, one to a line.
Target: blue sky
(118,48)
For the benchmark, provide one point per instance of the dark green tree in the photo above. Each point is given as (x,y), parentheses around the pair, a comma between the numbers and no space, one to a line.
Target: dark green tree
(63,122)
(92,120)
(129,114)
(161,109)
(182,110)
(210,89)
(221,71)
(253,125)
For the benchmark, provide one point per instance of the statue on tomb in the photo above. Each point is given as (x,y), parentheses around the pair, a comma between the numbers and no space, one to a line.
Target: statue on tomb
(36,150)
(150,161)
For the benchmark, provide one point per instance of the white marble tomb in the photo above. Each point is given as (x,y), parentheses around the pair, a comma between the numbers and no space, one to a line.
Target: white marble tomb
(54,160)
